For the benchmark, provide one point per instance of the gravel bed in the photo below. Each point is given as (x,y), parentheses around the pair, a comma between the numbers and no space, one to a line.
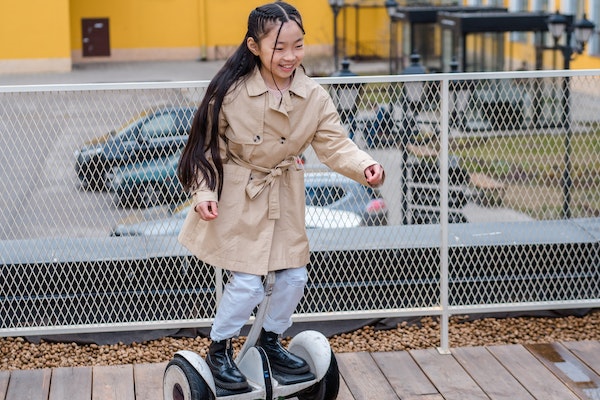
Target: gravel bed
(18,353)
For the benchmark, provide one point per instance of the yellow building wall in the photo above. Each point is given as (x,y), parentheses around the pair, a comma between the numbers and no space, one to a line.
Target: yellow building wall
(140,29)
(45,35)
(188,29)
(35,36)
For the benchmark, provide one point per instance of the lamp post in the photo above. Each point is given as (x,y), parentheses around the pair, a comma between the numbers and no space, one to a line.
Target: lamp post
(460,93)
(413,93)
(345,97)
(391,6)
(583,29)
(336,6)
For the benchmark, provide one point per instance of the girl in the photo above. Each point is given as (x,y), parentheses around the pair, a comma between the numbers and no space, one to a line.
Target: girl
(241,165)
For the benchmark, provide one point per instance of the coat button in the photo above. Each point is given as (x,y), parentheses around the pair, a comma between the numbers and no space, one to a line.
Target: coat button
(256,139)
(282,140)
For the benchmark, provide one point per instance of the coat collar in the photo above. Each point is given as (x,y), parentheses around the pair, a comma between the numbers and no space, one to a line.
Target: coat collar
(256,86)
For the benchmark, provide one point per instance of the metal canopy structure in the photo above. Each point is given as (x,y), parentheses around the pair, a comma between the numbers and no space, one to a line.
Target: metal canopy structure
(464,23)
(428,14)
(460,24)
(419,25)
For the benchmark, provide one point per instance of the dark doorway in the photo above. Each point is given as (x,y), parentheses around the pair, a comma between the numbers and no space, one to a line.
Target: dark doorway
(95,39)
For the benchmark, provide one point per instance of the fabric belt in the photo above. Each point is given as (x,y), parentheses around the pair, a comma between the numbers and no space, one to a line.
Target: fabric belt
(271,180)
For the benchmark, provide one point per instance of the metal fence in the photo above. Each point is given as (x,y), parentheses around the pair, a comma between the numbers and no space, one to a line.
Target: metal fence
(491,203)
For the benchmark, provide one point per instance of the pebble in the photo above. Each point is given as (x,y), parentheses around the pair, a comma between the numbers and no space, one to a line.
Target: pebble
(17,353)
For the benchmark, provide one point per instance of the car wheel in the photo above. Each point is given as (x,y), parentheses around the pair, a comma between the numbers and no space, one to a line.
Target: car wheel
(150,195)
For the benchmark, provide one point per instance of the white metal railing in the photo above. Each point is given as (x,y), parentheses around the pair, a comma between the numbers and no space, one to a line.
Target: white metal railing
(492,203)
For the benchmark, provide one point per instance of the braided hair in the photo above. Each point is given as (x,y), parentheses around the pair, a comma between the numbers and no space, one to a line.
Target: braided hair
(204,134)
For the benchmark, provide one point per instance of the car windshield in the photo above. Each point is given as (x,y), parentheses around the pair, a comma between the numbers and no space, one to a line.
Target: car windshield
(323,195)
(160,126)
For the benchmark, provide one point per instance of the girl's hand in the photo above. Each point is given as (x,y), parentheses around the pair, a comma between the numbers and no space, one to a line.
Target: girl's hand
(375,175)
(208,210)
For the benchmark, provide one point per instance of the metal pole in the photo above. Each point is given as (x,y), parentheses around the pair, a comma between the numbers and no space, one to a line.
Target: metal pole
(391,67)
(567,181)
(404,154)
(336,10)
(444,211)
(356,35)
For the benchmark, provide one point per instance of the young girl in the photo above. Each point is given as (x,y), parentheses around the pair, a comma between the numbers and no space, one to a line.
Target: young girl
(241,165)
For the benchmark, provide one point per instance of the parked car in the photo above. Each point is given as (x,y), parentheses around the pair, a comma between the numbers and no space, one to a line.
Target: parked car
(155,134)
(314,217)
(335,191)
(148,183)
(157,181)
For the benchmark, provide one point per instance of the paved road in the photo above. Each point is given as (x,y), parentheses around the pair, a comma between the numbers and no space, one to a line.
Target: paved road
(159,71)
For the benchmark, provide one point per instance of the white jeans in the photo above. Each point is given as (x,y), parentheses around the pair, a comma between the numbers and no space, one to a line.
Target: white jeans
(244,292)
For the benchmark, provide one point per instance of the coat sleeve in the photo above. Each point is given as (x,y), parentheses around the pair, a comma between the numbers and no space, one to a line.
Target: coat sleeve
(334,148)
(202,192)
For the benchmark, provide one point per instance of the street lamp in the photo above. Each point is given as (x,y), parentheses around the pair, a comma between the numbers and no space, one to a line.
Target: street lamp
(583,29)
(345,97)
(391,7)
(414,90)
(413,93)
(336,6)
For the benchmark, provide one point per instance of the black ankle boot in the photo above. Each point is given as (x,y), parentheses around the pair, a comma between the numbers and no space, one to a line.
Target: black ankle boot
(280,359)
(223,368)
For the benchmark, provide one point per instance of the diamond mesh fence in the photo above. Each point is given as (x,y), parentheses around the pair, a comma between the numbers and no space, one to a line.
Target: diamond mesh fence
(492,192)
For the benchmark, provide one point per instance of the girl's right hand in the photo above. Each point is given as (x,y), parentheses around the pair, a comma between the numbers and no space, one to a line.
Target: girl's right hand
(208,210)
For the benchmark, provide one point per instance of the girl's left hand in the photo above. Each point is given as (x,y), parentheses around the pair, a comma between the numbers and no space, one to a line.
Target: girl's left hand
(375,175)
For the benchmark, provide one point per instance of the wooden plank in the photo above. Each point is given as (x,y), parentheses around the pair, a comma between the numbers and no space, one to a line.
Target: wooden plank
(71,383)
(4,378)
(113,383)
(30,384)
(363,377)
(148,379)
(583,381)
(450,379)
(533,375)
(405,376)
(489,374)
(344,393)
(588,351)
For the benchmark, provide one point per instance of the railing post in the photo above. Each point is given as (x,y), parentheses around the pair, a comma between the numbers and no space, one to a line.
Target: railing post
(444,211)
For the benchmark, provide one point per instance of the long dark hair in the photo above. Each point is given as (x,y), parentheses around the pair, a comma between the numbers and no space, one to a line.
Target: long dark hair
(204,135)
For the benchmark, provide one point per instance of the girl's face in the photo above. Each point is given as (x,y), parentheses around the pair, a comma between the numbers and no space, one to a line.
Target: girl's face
(279,59)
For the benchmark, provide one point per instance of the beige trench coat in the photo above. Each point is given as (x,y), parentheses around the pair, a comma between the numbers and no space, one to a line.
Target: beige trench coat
(260,227)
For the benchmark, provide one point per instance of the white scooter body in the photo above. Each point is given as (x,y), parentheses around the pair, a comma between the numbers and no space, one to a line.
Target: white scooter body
(312,346)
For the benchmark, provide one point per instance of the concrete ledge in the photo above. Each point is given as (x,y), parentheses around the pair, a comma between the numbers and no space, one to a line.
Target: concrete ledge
(66,282)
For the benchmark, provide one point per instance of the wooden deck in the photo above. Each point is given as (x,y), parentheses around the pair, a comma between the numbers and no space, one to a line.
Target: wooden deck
(561,371)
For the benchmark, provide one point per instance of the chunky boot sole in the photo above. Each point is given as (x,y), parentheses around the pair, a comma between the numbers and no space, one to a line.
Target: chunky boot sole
(290,371)
(235,386)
